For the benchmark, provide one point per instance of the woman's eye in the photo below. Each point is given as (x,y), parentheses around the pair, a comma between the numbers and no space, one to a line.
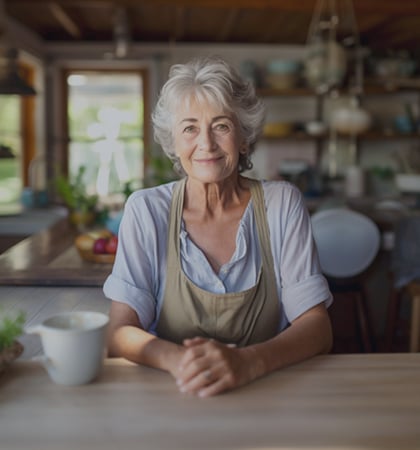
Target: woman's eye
(221,128)
(189,129)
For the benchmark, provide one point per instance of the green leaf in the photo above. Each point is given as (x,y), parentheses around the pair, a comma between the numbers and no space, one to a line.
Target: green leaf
(11,327)
(74,193)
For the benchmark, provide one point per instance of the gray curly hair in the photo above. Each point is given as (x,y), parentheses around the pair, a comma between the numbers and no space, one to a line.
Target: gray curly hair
(208,79)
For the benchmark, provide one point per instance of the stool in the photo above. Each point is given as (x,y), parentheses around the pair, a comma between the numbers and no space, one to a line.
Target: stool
(348,243)
(413,292)
(405,274)
(353,291)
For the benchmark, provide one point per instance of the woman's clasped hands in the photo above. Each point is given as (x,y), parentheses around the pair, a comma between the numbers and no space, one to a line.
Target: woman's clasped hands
(208,367)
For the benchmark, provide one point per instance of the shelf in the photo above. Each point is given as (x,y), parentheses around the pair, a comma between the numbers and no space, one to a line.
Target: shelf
(368,136)
(372,86)
(378,136)
(292,92)
(391,90)
(298,136)
(390,86)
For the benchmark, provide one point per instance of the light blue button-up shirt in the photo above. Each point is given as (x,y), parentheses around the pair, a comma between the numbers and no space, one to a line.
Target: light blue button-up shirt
(139,272)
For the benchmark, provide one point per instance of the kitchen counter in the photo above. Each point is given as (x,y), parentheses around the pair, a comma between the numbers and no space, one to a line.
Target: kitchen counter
(49,258)
(30,221)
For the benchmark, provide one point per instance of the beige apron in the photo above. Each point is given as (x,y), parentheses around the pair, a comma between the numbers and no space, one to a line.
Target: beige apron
(242,318)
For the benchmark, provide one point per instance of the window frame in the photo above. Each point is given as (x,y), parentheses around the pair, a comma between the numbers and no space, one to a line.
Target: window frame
(65,72)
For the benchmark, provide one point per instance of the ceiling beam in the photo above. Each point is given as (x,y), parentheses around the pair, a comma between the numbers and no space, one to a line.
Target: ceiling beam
(227,27)
(399,34)
(64,19)
(406,7)
(180,19)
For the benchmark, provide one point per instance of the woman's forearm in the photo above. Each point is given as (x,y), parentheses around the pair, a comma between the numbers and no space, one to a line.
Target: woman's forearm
(128,339)
(139,346)
(309,335)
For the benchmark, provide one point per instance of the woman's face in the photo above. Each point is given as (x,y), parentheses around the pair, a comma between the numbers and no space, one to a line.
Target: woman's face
(207,141)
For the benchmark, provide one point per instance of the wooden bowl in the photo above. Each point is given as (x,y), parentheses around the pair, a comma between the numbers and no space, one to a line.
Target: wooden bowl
(84,245)
(103,258)
(9,354)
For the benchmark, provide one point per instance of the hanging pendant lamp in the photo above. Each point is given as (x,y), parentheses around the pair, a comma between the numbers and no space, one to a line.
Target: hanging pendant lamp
(11,82)
(332,33)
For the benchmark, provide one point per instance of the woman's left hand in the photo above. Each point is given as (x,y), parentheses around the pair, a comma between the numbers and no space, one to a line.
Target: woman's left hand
(209,367)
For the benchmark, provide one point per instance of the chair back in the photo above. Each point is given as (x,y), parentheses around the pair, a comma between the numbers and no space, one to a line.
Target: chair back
(405,261)
(347,241)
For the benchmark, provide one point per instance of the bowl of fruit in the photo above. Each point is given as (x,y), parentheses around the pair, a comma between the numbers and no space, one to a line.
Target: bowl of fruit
(98,246)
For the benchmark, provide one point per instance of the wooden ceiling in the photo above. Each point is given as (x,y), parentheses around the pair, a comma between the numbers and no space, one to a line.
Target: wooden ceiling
(383,24)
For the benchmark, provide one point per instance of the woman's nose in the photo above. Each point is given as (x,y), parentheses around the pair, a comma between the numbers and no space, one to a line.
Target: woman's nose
(206,141)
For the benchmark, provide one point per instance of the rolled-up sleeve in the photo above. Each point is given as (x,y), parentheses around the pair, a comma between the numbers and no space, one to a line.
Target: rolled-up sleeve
(299,297)
(119,290)
(136,277)
(301,284)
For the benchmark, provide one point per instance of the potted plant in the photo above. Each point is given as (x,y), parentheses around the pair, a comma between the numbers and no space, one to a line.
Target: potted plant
(11,327)
(81,205)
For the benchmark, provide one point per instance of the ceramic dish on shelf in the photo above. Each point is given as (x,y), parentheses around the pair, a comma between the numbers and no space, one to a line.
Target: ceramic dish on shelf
(277,129)
(408,182)
(316,128)
(282,73)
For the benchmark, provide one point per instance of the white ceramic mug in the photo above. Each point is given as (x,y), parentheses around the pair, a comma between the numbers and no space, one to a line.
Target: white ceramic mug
(74,346)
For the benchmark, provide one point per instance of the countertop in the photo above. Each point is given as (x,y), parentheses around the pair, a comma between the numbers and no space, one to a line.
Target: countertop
(49,258)
(30,221)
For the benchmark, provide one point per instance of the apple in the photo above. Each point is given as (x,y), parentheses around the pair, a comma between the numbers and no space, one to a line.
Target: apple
(99,246)
(96,234)
(85,242)
(111,245)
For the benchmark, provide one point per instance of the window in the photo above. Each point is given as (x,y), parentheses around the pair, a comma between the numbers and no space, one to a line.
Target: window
(17,144)
(106,130)
(10,153)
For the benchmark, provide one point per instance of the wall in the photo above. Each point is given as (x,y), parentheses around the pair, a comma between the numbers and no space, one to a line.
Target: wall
(159,58)
(269,154)
(51,58)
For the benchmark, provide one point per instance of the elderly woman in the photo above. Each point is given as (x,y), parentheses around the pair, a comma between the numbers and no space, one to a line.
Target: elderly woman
(216,278)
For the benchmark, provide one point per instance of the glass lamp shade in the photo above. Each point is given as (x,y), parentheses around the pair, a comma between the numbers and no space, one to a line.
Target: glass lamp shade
(11,83)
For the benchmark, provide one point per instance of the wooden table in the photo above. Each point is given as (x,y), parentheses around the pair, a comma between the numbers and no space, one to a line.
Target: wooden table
(337,401)
(334,401)
(49,258)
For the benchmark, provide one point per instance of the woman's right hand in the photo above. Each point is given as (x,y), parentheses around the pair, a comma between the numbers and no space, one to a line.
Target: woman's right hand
(209,367)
